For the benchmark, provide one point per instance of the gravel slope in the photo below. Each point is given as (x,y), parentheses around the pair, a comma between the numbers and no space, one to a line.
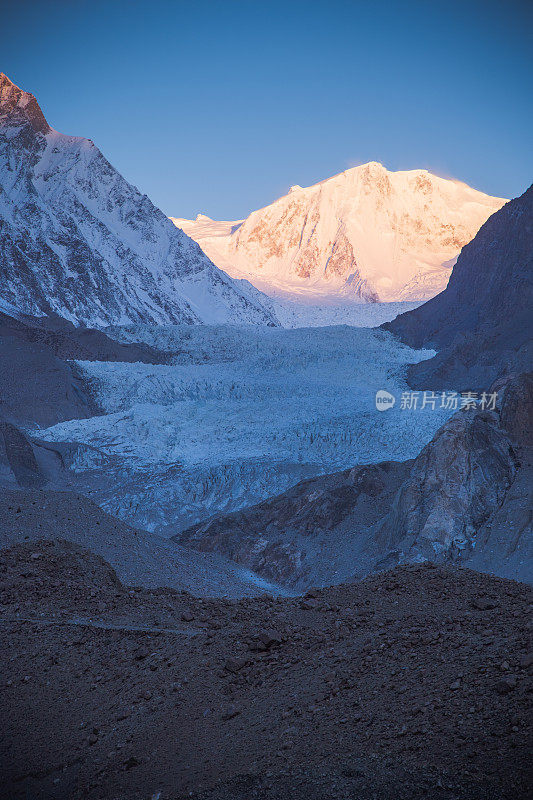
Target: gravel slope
(140,558)
(412,684)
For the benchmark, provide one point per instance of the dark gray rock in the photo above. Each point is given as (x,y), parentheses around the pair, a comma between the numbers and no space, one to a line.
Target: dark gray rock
(316,530)
(481,324)
(20,457)
(40,383)
(517,409)
(455,485)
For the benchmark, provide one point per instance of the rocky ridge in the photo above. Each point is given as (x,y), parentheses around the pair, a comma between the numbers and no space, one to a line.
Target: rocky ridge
(466,498)
(481,324)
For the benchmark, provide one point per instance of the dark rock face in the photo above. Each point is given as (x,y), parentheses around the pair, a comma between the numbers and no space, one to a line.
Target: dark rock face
(37,386)
(314,533)
(67,341)
(455,484)
(18,455)
(466,498)
(517,409)
(481,324)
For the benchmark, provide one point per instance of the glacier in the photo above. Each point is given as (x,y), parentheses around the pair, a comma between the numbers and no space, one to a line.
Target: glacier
(240,414)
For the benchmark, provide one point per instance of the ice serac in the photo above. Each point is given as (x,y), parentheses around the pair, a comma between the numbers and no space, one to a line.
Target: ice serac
(367,234)
(481,324)
(79,240)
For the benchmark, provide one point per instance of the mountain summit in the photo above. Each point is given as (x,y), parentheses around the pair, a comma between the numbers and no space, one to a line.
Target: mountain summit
(77,240)
(18,106)
(366,233)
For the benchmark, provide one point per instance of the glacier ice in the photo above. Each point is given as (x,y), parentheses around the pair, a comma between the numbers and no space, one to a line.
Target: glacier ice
(242,413)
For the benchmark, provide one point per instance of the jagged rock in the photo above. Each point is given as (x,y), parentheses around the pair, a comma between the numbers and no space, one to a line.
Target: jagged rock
(484,603)
(231,712)
(270,638)
(456,483)
(526,661)
(235,664)
(516,414)
(308,604)
(506,685)
(20,456)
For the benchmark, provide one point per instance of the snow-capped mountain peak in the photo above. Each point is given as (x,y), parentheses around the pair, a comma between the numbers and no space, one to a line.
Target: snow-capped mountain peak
(77,239)
(366,233)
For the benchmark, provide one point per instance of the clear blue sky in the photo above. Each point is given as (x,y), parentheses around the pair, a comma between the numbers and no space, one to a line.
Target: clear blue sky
(218,107)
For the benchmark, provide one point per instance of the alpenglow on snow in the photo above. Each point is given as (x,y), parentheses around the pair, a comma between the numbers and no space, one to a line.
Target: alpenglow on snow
(366,234)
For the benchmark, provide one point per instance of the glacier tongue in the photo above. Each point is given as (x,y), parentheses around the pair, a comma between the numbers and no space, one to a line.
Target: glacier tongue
(241,414)
(77,239)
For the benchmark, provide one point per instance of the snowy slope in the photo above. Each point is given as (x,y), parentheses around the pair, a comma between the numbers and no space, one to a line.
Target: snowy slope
(77,239)
(366,233)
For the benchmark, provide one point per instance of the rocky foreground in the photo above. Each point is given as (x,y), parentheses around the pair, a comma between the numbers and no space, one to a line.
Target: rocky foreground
(413,683)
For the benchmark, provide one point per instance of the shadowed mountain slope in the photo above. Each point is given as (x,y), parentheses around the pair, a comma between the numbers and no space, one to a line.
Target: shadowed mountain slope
(482,323)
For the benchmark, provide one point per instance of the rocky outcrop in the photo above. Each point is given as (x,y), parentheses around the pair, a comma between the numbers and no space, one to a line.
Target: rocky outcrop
(481,324)
(456,483)
(463,499)
(67,341)
(316,532)
(517,409)
(17,458)
(468,497)
(37,386)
